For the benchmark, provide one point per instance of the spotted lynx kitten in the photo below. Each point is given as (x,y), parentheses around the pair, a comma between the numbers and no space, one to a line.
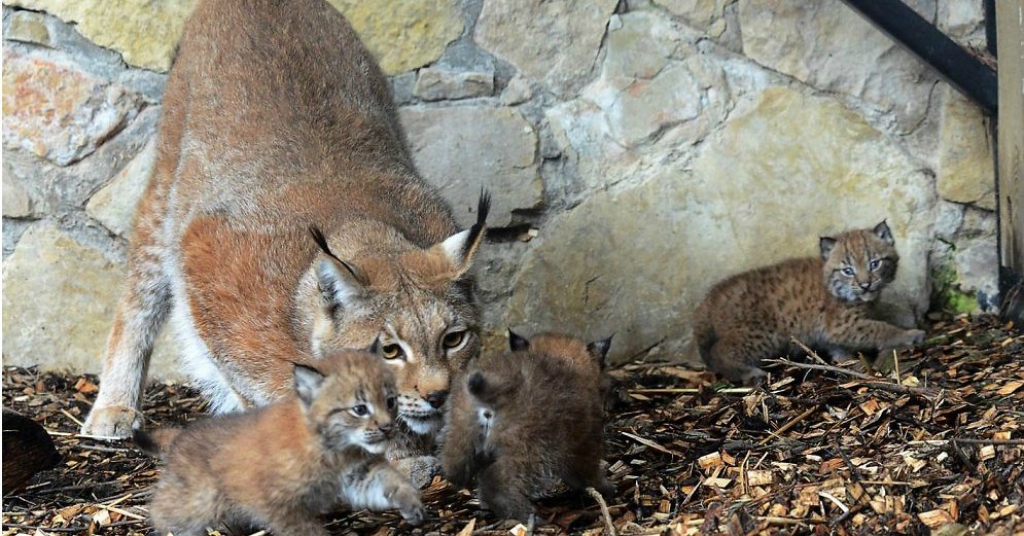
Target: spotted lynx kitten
(523,421)
(822,301)
(282,465)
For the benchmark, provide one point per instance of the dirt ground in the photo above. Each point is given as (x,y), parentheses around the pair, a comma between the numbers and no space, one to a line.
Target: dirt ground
(934,449)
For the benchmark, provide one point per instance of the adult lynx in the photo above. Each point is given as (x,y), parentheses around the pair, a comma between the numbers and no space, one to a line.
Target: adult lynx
(276,119)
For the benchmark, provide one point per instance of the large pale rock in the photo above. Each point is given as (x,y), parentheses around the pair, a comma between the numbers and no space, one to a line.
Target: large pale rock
(143,31)
(60,190)
(555,43)
(654,87)
(960,17)
(114,205)
(976,257)
(462,149)
(966,167)
(645,84)
(404,34)
(698,13)
(17,203)
(28,27)
(636,260)
(829,46)
(58,111)
(517,91)
(58,302)
(444,84)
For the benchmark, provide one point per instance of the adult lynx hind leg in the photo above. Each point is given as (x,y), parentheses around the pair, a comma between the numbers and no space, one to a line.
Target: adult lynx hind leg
(146,297)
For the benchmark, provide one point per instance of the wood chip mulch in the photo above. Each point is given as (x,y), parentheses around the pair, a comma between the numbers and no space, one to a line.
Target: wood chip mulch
(936,449)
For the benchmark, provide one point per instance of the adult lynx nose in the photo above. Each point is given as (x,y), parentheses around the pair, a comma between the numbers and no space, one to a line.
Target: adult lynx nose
(436,398)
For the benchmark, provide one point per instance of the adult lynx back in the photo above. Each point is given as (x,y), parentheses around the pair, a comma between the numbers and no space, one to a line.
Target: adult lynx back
(276,121)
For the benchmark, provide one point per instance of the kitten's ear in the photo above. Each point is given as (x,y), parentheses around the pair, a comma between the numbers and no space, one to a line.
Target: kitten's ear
(826,244)
(459,248)
(477,384)
(599,349)
(516,342)
(308,381)
(339,282)
(882,231)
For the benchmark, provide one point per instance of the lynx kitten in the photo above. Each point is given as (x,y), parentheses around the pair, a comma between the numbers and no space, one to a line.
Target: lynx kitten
(820,301)
(281,465)
(523,421)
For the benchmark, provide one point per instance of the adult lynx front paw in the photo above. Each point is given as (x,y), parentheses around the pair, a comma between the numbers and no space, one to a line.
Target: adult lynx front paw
(114,422)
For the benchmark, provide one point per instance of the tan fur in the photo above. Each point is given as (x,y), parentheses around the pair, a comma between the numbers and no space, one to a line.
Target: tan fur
(276,119)
(280,466)
(752,316)
(544,424)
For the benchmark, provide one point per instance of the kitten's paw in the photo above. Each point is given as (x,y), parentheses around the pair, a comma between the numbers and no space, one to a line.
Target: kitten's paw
(913,336)
(419,469)
(406,500)
(753,377)
(606,489)
(111,422)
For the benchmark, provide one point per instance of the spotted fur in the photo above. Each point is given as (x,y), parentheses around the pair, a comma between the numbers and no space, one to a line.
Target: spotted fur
(822,301)
(281,465)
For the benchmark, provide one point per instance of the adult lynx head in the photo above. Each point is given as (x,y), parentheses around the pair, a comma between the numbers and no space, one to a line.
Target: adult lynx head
(859,264)
(414,303)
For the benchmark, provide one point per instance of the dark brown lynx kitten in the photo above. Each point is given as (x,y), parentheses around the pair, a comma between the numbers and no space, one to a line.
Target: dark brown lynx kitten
(822,301)
(520,422)
(282,465)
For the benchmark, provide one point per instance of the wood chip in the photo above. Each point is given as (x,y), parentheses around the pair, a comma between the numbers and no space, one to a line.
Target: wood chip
(935,518)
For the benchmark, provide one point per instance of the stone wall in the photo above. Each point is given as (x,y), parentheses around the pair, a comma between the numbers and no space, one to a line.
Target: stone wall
(637,151)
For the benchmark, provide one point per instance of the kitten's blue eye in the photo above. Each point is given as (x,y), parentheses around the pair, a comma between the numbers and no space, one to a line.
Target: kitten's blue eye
(360,410)
(874,264)
(848,271)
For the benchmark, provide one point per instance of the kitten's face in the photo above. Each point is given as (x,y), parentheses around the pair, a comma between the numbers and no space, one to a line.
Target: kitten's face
(491,395)
(364,419)
(354,405)
(859,264)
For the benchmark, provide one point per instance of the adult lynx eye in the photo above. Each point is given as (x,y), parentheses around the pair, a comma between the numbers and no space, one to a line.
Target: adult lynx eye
(453,339)
(360,410)
(391,351)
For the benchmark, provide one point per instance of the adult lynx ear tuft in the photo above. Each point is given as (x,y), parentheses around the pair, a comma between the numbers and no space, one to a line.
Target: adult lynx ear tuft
(459,248)
(339,281)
